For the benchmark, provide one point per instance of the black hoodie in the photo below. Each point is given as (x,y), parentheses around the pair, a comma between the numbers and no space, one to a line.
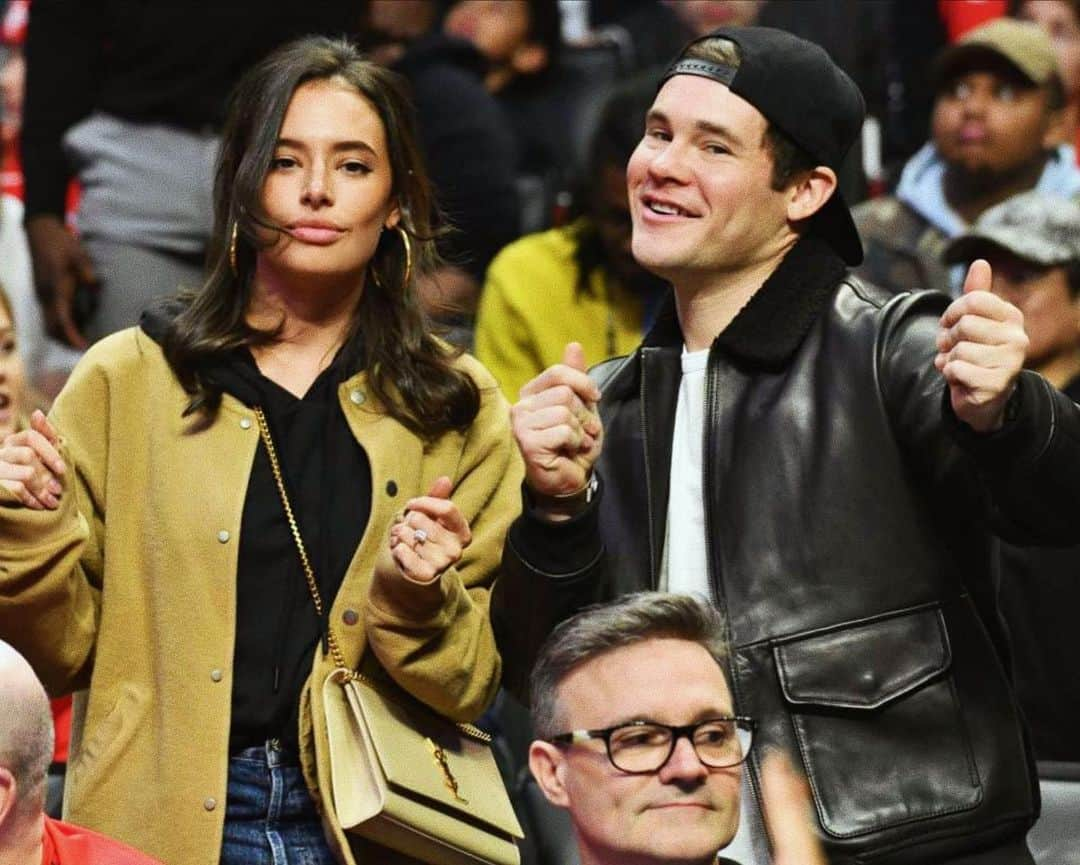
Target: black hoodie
(328,479)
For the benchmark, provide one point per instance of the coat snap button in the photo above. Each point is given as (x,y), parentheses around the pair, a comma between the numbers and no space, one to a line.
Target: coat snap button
(215,675)
(209,803)
(350,617)
(357,396)
(245,423)
(223,536)
(391,488)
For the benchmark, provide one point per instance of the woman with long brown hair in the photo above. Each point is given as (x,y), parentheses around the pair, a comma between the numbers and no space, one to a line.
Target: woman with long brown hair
(148,525)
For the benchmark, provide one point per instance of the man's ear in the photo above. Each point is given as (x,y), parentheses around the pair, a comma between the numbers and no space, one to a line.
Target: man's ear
(810,192)
(548,766)
(529,58)
(9,796)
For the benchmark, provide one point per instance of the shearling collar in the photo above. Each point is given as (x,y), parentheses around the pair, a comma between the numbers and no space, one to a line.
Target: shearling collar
(767,331)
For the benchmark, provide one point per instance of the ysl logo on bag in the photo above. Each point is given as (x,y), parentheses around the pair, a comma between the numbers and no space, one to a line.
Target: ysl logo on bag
(448,777)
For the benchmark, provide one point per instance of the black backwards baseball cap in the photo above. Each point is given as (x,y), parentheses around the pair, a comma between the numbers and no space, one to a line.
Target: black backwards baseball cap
(800,90)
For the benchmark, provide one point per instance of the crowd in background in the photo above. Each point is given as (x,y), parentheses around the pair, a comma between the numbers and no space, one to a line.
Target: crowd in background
(528,111)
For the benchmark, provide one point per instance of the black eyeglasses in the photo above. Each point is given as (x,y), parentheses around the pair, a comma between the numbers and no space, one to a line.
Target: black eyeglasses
(641,747)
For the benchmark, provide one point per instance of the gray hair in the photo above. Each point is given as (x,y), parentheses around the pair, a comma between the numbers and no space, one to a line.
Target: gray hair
(616,624)
(26,730)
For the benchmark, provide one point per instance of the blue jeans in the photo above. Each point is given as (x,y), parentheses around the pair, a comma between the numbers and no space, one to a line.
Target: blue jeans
(269,817)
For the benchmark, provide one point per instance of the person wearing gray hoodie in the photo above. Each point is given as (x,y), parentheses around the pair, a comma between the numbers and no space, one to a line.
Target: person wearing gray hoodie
(995,132)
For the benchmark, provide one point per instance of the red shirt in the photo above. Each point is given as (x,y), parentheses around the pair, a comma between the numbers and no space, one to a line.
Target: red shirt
(61,713)
(64,844)
(11,177)
(14,22)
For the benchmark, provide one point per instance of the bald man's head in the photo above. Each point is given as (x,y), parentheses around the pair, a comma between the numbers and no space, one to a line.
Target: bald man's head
(26,730)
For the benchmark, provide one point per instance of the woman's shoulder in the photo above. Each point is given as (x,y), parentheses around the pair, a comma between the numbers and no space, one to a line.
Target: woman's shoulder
(123,346)
(126,353)
(479,373)
(123,378)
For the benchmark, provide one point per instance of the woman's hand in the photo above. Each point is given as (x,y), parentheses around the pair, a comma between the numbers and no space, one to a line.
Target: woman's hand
(30,464)
(431,536)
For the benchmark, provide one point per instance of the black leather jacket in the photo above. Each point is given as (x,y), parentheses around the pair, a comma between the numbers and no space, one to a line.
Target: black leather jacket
(848,543)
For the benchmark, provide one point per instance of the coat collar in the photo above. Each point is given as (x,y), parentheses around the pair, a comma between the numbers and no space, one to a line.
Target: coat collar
(769,329)
(233,371)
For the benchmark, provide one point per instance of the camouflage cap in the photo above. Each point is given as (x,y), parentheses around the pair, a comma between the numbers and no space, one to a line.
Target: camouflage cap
(1022,43)
(1032,226)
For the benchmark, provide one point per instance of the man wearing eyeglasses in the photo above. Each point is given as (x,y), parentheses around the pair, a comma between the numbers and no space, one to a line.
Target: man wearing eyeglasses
(825,460)
(636,737)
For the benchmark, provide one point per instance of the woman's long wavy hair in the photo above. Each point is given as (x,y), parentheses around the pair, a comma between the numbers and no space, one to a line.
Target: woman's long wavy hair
(409,371)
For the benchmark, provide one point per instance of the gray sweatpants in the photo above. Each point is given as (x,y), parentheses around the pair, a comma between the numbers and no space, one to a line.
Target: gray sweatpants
(145,212)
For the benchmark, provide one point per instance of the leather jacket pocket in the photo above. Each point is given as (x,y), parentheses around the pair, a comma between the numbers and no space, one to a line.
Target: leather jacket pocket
(878,723)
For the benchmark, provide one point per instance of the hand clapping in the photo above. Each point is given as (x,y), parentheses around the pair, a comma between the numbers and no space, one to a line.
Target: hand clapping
(30,464)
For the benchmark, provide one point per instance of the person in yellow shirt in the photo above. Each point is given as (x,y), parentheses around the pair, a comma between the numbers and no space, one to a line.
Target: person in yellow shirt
(579,282)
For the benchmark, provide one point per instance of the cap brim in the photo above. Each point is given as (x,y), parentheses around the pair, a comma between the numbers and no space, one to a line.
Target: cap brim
(1016,242)
(969,247)
(969,56)
(833,223)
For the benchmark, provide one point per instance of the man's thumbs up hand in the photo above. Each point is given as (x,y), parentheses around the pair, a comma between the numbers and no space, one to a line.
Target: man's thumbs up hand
(981,349)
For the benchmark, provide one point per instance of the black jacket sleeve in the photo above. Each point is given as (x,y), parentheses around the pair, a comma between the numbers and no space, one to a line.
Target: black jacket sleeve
(1022,481)
(549,572)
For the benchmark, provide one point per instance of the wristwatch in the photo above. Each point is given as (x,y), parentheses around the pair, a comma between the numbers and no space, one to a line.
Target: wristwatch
(568,503)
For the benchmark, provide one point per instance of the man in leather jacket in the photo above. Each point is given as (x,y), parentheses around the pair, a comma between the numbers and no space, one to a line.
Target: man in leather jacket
(826,461)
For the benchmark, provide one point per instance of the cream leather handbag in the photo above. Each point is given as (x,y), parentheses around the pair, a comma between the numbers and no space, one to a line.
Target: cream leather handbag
(402,775)
(414,781)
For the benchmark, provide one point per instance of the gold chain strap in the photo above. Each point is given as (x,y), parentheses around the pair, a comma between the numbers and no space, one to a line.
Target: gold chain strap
(309,573)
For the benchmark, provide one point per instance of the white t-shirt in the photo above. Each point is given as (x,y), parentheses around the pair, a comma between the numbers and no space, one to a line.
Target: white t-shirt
(685,568)
(685,565)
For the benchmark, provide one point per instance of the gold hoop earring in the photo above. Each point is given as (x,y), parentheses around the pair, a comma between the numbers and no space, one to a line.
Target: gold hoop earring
(232,252)
(408,261)
(408,255)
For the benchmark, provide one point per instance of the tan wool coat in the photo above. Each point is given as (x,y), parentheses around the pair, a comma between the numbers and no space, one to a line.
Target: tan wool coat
(128,589)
